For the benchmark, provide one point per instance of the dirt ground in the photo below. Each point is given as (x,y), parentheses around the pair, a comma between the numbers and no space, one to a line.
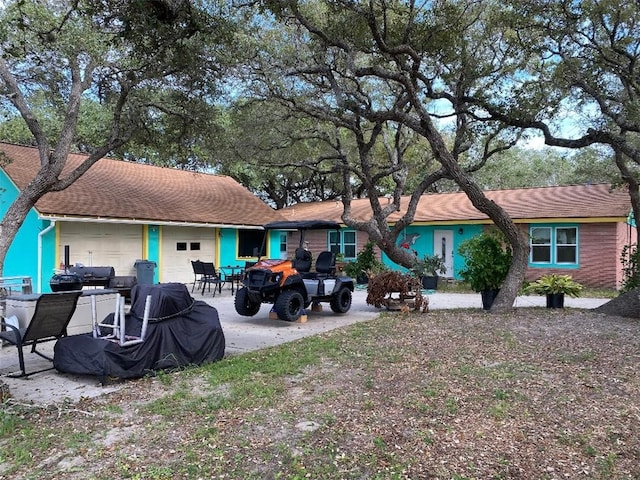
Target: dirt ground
(455,394)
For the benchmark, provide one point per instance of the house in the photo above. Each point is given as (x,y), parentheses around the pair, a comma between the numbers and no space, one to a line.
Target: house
(578,230)
(119,212)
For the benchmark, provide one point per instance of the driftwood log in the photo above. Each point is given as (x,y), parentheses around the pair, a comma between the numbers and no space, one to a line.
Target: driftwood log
(383,286)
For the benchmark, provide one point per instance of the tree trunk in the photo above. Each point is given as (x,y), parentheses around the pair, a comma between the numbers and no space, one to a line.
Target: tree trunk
(518,241)
(18,211)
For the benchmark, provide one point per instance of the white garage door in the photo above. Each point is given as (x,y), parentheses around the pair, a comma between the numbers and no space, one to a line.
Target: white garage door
(180,245)
(102,244)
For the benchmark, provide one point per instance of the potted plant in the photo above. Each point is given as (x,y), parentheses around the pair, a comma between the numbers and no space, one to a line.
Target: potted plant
(427,268)
(365,263)
(487,261)
(555,287)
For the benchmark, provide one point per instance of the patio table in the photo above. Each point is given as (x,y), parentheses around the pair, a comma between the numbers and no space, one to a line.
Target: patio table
(230,275)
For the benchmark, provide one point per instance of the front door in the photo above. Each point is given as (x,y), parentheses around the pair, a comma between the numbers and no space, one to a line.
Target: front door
(443,247)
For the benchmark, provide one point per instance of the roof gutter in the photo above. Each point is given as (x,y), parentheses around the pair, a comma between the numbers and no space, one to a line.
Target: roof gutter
(52,225)
(134,221)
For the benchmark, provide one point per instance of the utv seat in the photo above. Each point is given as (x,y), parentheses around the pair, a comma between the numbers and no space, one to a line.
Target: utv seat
(326,264)
(325,267)
(302,260)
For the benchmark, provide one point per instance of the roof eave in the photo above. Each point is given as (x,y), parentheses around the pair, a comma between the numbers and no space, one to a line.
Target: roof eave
(143,221)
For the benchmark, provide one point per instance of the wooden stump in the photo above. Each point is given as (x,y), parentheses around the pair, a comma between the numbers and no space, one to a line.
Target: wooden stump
(5,394)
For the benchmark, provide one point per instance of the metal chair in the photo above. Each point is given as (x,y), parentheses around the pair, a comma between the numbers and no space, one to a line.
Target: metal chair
(211,276)
(119,327)
(198,272)
(50,319)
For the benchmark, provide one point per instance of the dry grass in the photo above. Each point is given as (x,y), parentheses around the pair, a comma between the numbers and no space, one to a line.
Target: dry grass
(537,394)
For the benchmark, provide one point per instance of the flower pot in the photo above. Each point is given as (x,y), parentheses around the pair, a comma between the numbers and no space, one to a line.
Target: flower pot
(555,300)
(488,296)
(430,282)
(362,279)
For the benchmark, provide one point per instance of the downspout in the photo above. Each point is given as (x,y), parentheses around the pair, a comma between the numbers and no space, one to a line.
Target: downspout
(52,224)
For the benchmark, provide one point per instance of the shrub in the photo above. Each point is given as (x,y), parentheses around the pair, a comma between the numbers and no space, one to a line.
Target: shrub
(428,266)
(366,262)
(487,261)
(554,284)
(630,259)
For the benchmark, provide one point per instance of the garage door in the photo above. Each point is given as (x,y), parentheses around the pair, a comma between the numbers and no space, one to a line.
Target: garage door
(180,245)
(102,244)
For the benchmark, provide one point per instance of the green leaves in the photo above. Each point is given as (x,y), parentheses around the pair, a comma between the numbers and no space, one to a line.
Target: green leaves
(487,261)
(554,284)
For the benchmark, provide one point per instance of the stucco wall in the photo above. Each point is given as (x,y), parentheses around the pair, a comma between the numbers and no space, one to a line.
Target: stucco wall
(22,257)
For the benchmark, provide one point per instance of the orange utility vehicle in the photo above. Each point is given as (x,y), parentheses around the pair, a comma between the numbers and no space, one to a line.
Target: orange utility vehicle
(292,285)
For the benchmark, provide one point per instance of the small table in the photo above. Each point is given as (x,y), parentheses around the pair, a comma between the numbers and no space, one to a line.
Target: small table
(231,276)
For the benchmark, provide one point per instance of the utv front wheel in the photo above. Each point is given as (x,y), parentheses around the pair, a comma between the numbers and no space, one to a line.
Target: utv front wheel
(289,305)
(244,305)
(341,301)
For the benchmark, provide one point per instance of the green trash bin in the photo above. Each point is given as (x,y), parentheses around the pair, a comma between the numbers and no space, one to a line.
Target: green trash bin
(144,271)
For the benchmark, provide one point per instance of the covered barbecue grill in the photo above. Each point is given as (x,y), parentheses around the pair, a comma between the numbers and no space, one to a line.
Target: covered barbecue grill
(94,276)
(65,282)
(181,331)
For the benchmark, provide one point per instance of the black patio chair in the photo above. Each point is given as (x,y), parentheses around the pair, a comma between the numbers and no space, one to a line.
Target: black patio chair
(198,273)
(50,319)
(211,277)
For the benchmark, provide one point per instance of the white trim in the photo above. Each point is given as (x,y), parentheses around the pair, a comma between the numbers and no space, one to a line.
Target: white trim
(134,221)
(51,226)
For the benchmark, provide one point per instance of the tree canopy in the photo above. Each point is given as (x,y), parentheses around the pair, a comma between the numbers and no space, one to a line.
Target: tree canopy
(139,66)
(330,99)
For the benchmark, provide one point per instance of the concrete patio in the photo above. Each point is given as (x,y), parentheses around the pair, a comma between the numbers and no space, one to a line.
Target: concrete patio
(242,334)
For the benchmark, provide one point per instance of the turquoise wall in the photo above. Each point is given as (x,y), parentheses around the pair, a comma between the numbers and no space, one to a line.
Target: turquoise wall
(22,257)
(227,248)
(273,244)
(424,244)
(153,249)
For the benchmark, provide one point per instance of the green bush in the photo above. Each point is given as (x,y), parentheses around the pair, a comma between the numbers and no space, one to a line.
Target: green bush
(366,262)
(554,284)
(630,259)
(428,266)
(487,261)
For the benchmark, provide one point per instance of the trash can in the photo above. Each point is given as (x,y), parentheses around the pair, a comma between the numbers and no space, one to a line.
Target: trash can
(144,271)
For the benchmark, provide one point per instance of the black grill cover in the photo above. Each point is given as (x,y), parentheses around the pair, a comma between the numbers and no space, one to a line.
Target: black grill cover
(181,332)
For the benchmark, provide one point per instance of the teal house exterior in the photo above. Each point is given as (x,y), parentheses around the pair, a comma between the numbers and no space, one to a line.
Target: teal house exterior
(120,212)
(31,250)
(578,230)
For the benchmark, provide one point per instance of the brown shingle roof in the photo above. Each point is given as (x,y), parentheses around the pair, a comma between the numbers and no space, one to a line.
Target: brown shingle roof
(131,191)
(574,201)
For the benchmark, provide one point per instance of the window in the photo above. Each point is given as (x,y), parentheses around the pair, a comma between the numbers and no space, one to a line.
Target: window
(283,245)
(181,246)
(334,241)
(554,245)
(194,246)
(566,245)
(348,246)
(249,242)
(541,245)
